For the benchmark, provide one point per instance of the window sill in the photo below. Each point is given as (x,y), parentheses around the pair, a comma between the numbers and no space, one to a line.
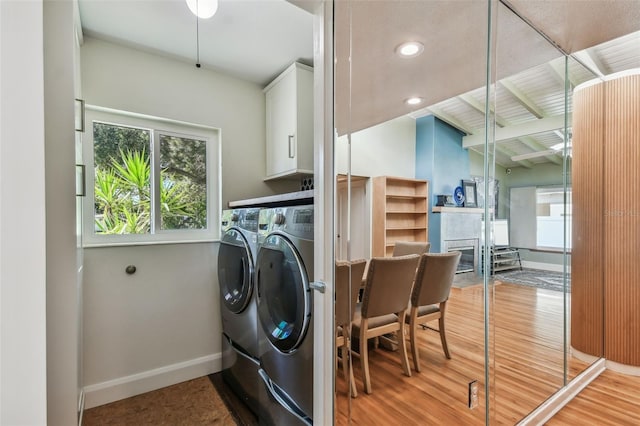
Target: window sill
(147,243)
(549,250)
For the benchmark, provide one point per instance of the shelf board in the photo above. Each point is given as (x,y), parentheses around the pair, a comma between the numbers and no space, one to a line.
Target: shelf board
(403,228)
(439,209)
(406,212)
(407,196)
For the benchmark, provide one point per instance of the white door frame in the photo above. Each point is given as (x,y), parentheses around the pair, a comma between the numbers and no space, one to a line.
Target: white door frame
(324,200)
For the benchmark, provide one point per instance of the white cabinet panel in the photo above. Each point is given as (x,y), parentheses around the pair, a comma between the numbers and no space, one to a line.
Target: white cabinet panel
(289,123)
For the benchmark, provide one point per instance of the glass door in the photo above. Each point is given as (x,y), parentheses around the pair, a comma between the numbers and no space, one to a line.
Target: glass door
(399,68)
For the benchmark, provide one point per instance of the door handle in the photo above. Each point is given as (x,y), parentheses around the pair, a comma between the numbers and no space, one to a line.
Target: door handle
(292,147)
(318,286)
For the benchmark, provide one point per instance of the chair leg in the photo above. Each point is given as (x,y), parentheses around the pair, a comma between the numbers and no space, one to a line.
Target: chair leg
(443,336)
(345,359)
(414,343)
(347,366)
(404,360)
(364,357)
(352,380)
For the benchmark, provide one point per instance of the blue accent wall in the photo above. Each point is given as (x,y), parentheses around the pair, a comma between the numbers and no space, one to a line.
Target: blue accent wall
(442,161)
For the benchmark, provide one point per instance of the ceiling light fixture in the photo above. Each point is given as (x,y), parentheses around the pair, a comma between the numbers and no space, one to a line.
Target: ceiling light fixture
(203,9)
(414,101)
(410,49)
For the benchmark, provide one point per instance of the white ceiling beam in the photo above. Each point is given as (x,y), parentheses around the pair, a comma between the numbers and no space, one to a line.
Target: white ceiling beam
(522,98)
(479,106)
(537,146)
(590,59)
(450,120)
(557,70)
(510,154)
(506,153)
(547,124)
(525,157)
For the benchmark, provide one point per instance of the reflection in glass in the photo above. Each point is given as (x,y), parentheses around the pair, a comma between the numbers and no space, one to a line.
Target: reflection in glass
(523,166)
(389,169)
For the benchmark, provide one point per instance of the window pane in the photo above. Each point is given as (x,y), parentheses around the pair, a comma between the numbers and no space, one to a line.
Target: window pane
(122,179)
(183,177)
(550,216)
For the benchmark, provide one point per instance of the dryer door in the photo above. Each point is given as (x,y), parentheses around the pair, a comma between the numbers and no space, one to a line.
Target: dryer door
(283,298)
(235,271)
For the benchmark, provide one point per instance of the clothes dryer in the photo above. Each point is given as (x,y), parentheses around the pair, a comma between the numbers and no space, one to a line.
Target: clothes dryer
(284,268)
(236,263)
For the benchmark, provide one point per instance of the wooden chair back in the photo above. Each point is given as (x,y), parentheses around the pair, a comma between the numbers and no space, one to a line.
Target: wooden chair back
(434,278)
(388,285)
(403,248)
(346,296)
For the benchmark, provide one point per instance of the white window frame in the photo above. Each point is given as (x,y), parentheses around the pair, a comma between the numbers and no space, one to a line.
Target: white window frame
(157,126)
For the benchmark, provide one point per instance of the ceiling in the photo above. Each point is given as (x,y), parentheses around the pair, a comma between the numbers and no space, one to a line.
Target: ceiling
(256,39)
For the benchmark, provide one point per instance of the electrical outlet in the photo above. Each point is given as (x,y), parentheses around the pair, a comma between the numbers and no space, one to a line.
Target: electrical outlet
(473,394)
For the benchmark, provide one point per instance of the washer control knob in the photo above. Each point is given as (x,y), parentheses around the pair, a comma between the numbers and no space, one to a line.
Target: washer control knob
(279,219)
(235,217)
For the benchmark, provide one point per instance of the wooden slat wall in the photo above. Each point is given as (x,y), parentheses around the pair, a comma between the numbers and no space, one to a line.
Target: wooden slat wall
(587,284)
(622,220)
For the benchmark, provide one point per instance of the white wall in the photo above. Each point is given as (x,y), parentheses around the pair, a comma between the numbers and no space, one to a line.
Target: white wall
(162,325)
(23,381)
(127,79)
(153,328)
(386,149)
(62,291)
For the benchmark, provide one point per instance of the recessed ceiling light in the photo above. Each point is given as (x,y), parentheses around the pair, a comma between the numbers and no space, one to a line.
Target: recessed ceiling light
(414,101)
(410,49)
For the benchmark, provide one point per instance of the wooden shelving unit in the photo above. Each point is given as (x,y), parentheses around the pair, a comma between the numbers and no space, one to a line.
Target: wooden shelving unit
(400,212)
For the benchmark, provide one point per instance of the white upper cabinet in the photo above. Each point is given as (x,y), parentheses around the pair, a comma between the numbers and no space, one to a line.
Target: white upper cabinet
(289,105)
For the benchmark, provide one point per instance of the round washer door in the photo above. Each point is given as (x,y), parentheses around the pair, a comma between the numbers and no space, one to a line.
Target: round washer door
(283,293)
(235,271)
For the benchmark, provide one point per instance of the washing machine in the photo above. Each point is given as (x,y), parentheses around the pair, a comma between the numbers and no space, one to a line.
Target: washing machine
(284,268)
(236,278)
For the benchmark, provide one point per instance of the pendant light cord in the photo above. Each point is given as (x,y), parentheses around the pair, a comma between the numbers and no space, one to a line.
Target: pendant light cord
(197,37)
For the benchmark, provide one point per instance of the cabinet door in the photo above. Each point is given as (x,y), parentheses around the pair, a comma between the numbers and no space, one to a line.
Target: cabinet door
(281,126)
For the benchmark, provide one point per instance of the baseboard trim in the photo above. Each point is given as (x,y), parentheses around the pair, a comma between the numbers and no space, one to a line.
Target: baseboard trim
(551,406)
(589,359)
(136,384)
(553,267)
(629,370)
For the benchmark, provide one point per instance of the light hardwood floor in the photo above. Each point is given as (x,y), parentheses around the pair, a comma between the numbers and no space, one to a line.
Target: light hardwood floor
(527,364)
(526,373)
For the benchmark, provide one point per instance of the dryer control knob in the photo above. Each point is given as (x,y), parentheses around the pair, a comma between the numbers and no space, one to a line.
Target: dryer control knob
(279,219)
(235,217)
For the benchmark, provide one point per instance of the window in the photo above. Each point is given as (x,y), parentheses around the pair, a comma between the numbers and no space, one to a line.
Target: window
(550,217)
(538,218)
(149,179)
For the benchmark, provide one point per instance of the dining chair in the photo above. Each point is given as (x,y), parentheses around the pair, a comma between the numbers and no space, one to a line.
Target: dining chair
(348,281)
(429,296)
(384,306)
(402,248)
